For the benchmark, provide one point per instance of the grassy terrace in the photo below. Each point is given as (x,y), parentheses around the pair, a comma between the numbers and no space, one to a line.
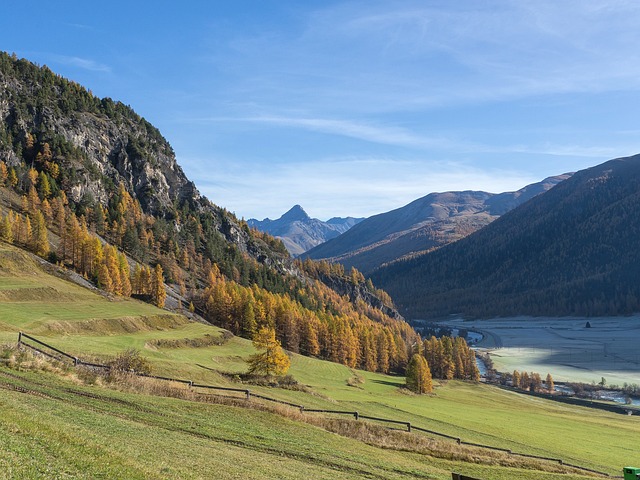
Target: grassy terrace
(56,433)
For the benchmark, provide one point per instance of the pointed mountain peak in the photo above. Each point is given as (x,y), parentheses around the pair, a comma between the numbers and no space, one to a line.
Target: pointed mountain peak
(296,213)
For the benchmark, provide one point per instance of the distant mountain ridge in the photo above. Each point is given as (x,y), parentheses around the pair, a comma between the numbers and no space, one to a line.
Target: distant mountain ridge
(299,232)
(423,225)
(573,250)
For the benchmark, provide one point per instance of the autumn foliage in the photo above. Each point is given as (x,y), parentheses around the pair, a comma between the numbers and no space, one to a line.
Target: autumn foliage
(332,328)
(230,288)
(450,358)
(418,376)
(270,359)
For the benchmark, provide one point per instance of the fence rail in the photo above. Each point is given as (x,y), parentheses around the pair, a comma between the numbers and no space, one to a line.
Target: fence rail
(458,476)
(64,354)
(249,394)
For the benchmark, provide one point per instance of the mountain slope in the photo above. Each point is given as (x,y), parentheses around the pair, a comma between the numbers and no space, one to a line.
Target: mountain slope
(85,180)
(422,225)
(299,232)
(87,147)
(570,251)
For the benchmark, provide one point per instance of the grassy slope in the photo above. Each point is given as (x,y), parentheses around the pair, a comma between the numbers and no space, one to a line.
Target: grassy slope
(58,431)
(41,304)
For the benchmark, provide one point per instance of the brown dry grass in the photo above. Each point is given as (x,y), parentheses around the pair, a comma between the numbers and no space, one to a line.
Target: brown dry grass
(363,431)
(200,342)
(115,326)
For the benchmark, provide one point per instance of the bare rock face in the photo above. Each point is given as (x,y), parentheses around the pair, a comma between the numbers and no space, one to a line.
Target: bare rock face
(100,144)
(357,293)
(103,144)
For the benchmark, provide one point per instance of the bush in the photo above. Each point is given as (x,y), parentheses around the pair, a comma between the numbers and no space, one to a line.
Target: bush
(130,361)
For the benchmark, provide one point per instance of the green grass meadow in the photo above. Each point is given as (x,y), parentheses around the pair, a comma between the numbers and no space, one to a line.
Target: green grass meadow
(52,431)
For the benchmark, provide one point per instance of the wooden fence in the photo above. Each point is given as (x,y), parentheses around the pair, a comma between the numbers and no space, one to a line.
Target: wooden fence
(248,395)
(458,476)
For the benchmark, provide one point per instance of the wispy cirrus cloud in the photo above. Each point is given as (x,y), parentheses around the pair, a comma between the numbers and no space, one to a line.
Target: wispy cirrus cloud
(341,186)
(383,134)
(83,63)
(389,56)
(403,137)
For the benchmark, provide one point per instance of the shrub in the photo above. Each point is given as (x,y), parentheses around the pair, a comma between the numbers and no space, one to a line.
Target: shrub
(130,361)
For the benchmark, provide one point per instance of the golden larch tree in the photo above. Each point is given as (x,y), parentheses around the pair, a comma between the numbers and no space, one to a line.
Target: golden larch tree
(549,383)
(271,360)
(39,239)
(158,291)
(419,375)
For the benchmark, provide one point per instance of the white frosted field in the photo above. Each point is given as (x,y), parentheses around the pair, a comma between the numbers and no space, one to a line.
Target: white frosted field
(563,347)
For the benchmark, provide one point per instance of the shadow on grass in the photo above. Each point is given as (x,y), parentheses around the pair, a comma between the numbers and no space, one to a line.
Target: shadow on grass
(391,384)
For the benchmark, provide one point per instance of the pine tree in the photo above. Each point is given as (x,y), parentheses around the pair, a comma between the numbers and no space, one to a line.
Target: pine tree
(383,353)
(113,266)
(125,278)
(104,279)
(13,177)
(158,291)
(309,344)
(45,206)
(419,375)
(550,384)
(27,231)
(29,143)
(6,229)
(535,382)
(32,175)
(273,360)
(4,173)
(249,320)
(515,382)
(39,240)
(136,287)
(44,187)
(24,204)
(145,281)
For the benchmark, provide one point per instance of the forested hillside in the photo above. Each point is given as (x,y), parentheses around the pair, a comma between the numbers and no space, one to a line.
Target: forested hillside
(570,251)
(423,225)
(84,181)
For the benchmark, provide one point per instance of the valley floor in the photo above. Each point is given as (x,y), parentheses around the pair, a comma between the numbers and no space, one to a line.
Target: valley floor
(564,347)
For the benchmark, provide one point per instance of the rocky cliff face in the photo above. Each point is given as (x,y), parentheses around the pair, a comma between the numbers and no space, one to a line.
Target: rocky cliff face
(116,145)
(100,144)
(358,292)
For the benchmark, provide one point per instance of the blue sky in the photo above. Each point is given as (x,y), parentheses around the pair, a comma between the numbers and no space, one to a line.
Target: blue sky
(355,107)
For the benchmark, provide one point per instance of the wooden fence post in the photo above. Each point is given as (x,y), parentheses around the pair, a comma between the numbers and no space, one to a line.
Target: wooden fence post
(248,393)
(19,338)
(356,415)
(409,427)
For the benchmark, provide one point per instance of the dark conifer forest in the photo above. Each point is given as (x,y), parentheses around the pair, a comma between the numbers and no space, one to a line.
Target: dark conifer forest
(574,250)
